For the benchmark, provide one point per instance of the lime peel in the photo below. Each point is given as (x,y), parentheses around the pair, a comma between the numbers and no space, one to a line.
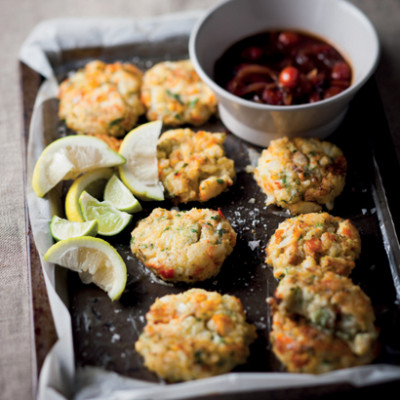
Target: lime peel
(118,194)
(61,228)
(111,221)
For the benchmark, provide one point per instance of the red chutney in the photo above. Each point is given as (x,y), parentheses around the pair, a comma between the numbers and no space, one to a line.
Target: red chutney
(283,68)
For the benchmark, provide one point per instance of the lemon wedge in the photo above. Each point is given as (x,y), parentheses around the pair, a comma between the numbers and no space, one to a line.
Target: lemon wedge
(61,228)
(68,157)
(120,196)
(94,259)
(140,172)
(92,182)
(111,221)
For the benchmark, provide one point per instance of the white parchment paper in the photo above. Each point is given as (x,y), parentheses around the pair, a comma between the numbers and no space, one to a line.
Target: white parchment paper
(59,379)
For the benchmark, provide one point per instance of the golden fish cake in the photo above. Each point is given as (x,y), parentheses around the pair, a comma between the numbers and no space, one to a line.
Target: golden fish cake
(304,348)
(314,241)
(173,92)
(183,246)
(195,334)
(301,174)
(332,303)
(102,99)
(193,166)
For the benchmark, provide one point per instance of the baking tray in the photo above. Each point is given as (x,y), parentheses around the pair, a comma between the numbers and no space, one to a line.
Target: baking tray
(104,332)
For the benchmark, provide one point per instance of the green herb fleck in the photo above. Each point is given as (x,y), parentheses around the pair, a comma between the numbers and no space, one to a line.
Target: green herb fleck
(115,122)
(175,96)
(193,102)
(178,117)
(321,317)
(221,339)
(297,295)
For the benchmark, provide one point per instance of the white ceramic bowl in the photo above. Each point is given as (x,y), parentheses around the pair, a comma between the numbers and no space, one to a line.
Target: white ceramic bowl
(338,22)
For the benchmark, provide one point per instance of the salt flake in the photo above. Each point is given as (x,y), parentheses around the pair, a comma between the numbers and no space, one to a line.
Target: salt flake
(253,244)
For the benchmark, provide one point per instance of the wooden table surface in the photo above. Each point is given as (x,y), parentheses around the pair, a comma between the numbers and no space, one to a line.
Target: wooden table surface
(24,339)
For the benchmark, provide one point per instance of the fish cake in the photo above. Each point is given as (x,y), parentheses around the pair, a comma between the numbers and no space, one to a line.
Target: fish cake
(102,99)
(304,348)
(173,92)
(314,241)
(183,246)
(193,166)
(301,174)
(332,303)
(195,334)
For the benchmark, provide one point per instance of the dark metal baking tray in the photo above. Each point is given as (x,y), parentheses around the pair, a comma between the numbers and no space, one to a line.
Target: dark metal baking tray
(105,332)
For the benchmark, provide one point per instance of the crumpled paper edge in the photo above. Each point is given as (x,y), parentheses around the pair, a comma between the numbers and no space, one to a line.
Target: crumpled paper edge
(60,34)
(58,376)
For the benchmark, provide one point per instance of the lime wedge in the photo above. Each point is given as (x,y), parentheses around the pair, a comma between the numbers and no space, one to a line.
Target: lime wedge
(68,157)
(96,261)
(111,221)
(120,196)
(92,182)
(61,228)
(140,172)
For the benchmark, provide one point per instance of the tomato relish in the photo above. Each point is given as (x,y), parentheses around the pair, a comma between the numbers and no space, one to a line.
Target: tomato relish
(283,68)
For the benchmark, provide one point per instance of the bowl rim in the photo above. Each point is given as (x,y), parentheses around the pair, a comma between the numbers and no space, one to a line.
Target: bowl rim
(219,90)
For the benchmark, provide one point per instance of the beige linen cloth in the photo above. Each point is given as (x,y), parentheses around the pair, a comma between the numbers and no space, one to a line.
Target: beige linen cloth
(18,359)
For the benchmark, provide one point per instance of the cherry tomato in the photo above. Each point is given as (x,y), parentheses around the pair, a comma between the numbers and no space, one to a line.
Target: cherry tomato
(332,91)
(252,53)
(289,77)
(314,97)
(288,38)
(341,71)
(272,96)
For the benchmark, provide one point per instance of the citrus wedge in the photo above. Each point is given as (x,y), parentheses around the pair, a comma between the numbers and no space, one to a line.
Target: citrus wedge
(140,172)
(111,221)
(96,261)
(120,196)
(92,182)
(68,157)
(61,228)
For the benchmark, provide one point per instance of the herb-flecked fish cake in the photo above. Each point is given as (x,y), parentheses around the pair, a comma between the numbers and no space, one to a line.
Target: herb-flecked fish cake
(301,174)
(195,334)
(314,241)
(183,246)
(305,348)
(173,92)
(102,99)
(192,166)
(332,303)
